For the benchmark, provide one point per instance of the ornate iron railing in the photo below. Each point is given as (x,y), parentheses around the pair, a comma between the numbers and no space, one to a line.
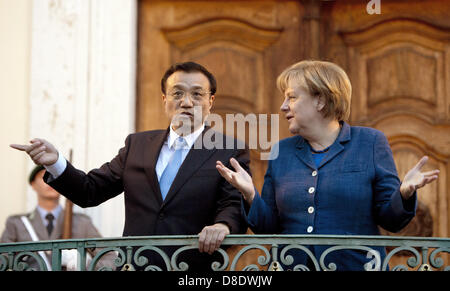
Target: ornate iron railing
(271,252)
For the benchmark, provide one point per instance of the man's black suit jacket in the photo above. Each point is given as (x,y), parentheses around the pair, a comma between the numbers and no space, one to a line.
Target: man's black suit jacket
(198,197)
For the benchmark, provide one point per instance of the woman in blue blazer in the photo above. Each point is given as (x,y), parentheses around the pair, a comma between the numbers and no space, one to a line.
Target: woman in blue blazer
(330,177)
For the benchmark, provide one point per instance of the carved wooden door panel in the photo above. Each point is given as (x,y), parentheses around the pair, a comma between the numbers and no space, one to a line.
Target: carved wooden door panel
(399,66)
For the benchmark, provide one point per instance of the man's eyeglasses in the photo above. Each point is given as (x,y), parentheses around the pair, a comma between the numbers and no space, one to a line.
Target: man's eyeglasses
(197,95)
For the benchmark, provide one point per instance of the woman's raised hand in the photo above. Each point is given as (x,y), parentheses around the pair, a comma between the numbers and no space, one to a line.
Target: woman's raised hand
(416,179)
(238,178)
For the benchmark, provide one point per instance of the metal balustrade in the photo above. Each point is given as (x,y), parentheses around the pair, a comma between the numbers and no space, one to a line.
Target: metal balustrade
(430,253)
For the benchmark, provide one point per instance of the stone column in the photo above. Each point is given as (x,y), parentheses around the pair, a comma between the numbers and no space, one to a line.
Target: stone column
(83,58)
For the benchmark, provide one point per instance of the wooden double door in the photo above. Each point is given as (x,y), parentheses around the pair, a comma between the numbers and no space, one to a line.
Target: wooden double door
(398,62)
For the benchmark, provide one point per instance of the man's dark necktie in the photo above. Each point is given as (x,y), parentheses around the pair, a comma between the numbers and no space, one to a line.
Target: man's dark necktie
(50,219)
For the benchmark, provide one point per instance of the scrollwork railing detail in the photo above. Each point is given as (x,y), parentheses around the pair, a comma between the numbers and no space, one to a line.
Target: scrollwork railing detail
(118,261)
(19,265)
(142,260)
(133,253)
(332,266)
(289,260)
(412,261)
(252,267)
(438,262)
(4,262)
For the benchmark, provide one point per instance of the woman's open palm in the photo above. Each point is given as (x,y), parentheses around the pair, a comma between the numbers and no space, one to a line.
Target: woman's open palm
(238,178)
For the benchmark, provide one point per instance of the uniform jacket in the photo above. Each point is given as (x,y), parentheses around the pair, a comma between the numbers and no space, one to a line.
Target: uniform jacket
(82,227)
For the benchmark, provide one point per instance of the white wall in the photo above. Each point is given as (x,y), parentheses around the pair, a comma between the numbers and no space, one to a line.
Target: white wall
(15,27)
(81,89)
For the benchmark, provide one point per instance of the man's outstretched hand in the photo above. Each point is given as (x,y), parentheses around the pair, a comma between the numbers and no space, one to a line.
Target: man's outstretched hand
(40,151)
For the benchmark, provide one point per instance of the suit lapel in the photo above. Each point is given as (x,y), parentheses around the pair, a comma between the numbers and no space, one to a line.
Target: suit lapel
(334,150)
(304,153)
(152,148)
(38,225)
(337,147)
(193,161)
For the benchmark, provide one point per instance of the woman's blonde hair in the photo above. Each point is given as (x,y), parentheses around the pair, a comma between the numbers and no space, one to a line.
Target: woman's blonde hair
(321,79)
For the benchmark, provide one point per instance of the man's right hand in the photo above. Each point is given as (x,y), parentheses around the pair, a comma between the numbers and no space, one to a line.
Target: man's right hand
(40,151)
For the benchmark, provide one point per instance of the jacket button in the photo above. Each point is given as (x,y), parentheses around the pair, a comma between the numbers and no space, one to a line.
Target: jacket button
(311,190)
(314,173)
(310,209)
(310,229)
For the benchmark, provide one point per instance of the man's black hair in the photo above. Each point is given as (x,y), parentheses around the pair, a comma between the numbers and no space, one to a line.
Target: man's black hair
(189,67)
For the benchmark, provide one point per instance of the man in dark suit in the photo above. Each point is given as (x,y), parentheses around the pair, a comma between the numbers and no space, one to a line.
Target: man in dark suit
(168,176)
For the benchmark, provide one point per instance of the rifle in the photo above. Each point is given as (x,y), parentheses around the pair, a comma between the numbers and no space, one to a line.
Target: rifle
(68,211)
